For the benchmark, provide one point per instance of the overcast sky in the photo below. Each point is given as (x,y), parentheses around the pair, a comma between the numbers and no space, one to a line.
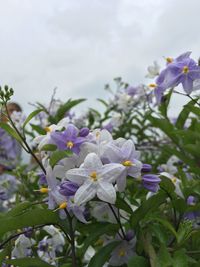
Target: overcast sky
(79,45)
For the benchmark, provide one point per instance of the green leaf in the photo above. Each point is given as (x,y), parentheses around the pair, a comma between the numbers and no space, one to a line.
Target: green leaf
(103,102)
(31,116)
(166,224)
(29,262)
(30,218)
(49,147)
(20,208)
(66,107)
(96,232)
(164,104)
(184,115)
(58,155)
(147,207)
(38,129)
(164,257)
(10,131)
(103,255)
(180,259)
(123,205)
(138,261)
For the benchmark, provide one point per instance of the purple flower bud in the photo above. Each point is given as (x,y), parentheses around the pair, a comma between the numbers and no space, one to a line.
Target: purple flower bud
(29,232)
(146,168)
(68,188)
(3,195)
(42,179)
(151,182)
(131,90)
(130,235)
(84,132)
(191,200)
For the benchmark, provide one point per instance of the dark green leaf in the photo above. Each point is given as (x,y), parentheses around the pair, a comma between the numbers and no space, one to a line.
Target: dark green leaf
(103,255)
(31,116)
(29,262)
(58,155)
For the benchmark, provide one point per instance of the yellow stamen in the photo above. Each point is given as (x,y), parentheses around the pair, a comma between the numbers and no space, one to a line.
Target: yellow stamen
(127,163)
(70,144)
(174,179)
(122,253)
(62,206)
(153,85)
(99,242)
(185,69)
(97,134)
(93,176)
(47,129)
(44,190)
(169,59)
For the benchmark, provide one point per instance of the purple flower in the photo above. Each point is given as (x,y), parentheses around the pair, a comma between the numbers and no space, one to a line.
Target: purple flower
(192,215)
(146,168)
(184,72)
(151,182)
(68,139)
(68,188)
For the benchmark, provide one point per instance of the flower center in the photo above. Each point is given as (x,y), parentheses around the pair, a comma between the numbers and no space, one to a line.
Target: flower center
(174,180)
(169,59)
(97,134)
(93,176)
(122,252)
(127,163)
(47,129)
(70,144)
(185,69)
(152,85)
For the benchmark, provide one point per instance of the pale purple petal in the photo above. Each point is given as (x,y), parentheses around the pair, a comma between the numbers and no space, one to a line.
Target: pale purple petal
(106,192)
(85,193)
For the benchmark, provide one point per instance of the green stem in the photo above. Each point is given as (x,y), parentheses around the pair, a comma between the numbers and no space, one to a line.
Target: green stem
(28,149)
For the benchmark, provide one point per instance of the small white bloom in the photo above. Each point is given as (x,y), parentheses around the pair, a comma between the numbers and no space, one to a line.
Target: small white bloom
(177,183)
(22,247)
(46,139)
(153,70)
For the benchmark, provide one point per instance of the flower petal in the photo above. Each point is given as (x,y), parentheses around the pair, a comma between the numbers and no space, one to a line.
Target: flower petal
(110,172)
(77,175)
(85,192)
(92,162)
(106,192)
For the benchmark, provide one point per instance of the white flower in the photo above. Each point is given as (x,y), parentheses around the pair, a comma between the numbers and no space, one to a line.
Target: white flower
(124,102)
(94,179)
(97,142)
(46,139)
(22,247)
(153,70)
(177,182)
(169,166)
(58,240)
(102,212)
